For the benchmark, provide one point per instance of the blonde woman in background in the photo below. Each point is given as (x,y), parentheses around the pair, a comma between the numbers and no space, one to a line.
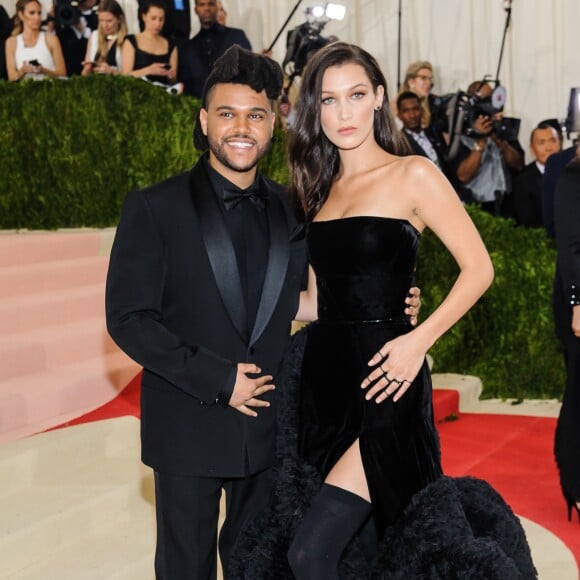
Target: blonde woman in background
(32,52)
(221,14)
(419,80)
(104,47)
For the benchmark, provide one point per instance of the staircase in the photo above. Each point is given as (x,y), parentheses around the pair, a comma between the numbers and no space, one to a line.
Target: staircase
(77,504)
(56,358)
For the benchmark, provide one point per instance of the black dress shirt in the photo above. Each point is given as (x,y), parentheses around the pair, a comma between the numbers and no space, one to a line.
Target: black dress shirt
(247,225)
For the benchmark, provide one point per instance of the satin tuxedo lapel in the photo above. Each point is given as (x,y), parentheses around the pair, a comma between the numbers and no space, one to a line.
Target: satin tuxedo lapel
(278,258)
(222,256)
(220,249)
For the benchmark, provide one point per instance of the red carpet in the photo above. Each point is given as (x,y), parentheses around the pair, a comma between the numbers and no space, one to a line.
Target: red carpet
(513,453)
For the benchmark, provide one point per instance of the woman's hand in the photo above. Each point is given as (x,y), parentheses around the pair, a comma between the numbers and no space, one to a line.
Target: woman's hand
(104,68)
(158,69)
(397,363)
(28,68)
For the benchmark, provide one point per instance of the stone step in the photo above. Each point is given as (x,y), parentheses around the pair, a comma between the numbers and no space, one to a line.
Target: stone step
(22,279)
(29,247)
(125,551)
(45,457)
(69,504)
(42,400)
(25,313)
(48,347)
(469,388)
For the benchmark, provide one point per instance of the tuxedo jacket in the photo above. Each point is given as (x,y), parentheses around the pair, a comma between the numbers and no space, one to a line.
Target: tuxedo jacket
(174,303)
(435,140)
(527,196)
(193,66)
(567,230)
(440,147)
(555,164)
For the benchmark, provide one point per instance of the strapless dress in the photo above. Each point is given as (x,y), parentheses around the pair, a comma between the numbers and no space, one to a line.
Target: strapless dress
(364,268)
(430,526)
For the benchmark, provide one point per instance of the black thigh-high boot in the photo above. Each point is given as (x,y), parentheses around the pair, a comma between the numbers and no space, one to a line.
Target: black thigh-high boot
(332,520)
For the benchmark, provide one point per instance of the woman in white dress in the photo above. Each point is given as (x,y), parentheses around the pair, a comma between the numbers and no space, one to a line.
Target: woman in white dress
(30,51)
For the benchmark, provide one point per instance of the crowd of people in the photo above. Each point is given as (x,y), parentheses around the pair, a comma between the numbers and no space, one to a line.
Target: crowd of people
(93,38)
(485,165)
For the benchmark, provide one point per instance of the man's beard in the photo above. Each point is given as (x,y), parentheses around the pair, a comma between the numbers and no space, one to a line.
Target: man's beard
(218,150)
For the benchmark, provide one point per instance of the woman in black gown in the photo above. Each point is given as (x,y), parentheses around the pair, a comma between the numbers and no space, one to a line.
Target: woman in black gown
(149,54)
(566,300)
(357,440)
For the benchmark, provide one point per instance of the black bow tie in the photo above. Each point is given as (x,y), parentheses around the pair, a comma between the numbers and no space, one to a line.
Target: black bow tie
(233,195)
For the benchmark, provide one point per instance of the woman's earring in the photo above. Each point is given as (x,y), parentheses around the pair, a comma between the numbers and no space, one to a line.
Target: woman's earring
(378,108)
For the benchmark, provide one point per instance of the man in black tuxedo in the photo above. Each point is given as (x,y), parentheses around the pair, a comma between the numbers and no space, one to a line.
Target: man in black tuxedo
(425,142)
(202,287)
(554,167)
(428,142)
(198,55)
(527,185)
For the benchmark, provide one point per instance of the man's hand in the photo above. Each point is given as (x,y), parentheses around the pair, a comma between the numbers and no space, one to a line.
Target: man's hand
(246,389)
(483,125)
(413,302)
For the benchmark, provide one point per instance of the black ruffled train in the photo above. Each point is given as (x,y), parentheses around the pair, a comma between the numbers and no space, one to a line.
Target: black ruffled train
(455,528)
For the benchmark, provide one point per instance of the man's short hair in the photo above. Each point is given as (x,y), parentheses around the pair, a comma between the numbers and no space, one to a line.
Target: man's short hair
(548,124)
(407,95)
(242,67)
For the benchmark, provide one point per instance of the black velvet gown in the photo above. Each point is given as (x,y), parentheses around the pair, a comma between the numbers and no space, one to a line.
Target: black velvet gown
(364,268)
(429,526)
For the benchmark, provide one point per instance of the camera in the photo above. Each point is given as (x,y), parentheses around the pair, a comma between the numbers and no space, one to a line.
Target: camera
(457,114)
(302,42)
(34,62)
(66,13)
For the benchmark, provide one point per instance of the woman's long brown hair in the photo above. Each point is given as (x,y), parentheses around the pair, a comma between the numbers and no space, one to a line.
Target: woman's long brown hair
(314,160)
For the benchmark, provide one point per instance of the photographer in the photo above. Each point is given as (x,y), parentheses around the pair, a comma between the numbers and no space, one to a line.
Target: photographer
(74,22)
(484,162)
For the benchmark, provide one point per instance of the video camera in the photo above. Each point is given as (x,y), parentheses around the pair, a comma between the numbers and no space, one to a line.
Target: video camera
(304,40)
(457,114)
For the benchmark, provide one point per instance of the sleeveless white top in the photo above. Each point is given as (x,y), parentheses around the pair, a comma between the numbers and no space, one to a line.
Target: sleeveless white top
(39,51)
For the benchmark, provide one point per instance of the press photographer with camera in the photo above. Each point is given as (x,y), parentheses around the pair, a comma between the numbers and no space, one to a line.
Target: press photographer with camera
(486,158)
(32,52)
(73,22)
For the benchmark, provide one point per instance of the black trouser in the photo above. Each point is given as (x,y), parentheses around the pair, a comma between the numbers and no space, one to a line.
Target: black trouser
(187,510)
